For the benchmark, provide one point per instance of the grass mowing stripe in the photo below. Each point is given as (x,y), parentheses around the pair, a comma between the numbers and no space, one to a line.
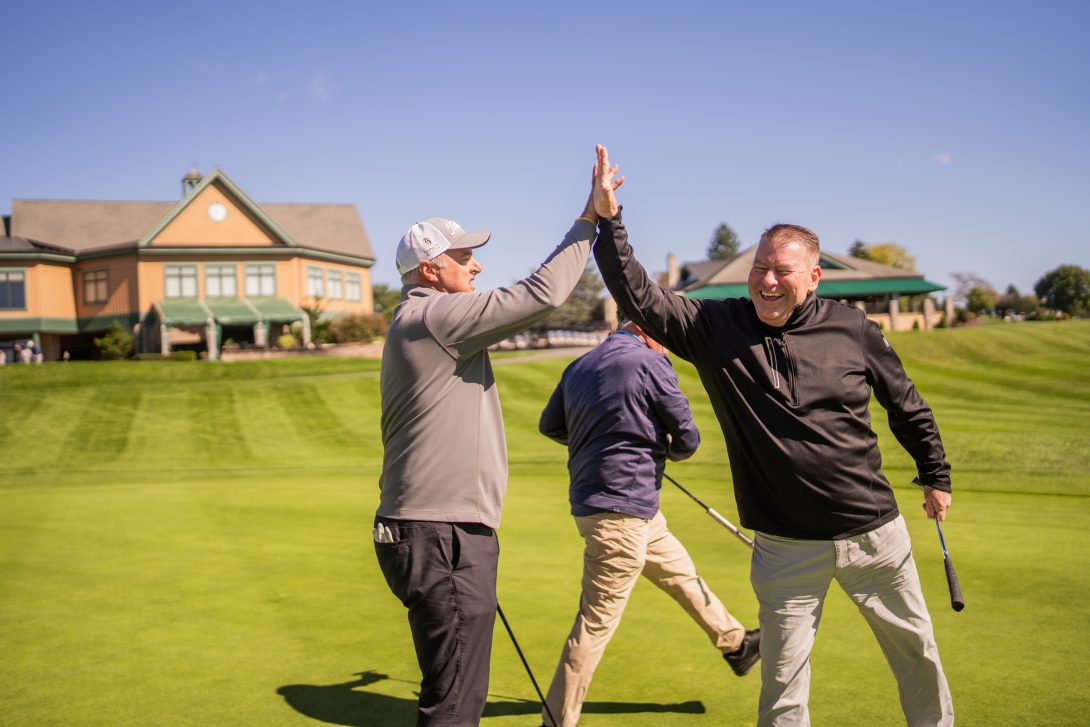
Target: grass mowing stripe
(189,581)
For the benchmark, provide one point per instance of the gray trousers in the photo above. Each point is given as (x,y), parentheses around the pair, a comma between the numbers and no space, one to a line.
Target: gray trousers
(876,569)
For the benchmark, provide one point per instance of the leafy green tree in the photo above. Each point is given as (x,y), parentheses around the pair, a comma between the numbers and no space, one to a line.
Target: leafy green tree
(892,254)
(1067,289)
(385,299)
(980,299)
(968,281)
(583,306)
(116,344)
(724,243)
(884,253)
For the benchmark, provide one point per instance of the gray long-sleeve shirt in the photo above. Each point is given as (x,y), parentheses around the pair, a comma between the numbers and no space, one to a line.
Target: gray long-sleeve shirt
(445,455)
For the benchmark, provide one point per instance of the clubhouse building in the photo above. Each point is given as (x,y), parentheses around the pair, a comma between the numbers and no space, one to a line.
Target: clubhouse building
(178,275)
(897,299)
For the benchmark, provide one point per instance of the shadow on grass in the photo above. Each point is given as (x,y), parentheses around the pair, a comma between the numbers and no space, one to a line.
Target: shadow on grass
(346,704)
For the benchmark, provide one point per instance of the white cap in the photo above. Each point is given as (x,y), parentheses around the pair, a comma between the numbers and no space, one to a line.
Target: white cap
(430,239)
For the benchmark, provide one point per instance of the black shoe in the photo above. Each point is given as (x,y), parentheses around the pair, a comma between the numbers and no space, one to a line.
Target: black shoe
(743,659)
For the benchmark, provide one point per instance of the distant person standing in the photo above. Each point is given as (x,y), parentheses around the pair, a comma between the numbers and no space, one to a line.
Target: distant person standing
(35,352)
(16,353)
(3,357)
(621,414)
(26,354)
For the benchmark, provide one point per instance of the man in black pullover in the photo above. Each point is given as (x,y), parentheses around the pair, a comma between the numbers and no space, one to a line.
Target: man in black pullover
(790,378)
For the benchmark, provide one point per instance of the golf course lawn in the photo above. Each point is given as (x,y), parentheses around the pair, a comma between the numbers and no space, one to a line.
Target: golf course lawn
(189,544)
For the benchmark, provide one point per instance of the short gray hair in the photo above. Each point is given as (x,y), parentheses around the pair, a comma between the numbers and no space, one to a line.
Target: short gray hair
(413,277)
(782,234)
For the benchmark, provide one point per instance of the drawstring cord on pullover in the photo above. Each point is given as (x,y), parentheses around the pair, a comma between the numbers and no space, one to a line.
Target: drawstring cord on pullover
(772,359)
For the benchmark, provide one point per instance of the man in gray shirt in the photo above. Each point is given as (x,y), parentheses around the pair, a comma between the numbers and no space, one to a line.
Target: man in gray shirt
(444,470)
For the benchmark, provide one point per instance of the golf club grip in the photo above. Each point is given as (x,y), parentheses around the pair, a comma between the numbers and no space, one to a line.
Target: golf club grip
(727,524)
(956,601)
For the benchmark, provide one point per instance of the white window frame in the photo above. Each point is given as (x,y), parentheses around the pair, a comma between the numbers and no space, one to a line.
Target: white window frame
(334,284)
(21,273)
(263,275)
(215,271)
(183,273)
(352,287)
(315,282)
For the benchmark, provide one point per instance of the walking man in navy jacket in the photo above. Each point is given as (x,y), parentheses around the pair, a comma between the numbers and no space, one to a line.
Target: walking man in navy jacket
(621,414)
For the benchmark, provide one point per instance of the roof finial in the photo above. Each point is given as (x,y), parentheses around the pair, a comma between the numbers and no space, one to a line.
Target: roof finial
(191,180)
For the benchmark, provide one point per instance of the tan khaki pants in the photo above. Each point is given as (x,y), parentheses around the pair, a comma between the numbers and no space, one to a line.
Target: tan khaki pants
(791,578)
(619,549)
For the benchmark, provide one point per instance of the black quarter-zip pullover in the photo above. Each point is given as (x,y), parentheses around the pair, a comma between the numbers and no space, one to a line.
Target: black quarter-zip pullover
(792,401)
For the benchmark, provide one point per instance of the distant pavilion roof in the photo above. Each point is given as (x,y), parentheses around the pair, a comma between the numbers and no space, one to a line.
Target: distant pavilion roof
(842,277)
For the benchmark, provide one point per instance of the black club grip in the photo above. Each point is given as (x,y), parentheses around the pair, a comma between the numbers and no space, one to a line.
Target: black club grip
(956,601)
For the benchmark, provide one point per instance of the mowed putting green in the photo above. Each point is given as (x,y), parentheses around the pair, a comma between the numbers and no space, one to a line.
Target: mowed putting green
(189,544)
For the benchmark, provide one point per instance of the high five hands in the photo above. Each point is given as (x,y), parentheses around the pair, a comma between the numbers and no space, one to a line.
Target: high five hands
(602,202)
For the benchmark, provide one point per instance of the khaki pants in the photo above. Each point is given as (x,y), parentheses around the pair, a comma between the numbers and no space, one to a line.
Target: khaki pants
(619,549)
(791,578)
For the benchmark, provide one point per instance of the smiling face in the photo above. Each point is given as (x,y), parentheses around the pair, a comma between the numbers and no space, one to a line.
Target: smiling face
(781,277)
(457,276)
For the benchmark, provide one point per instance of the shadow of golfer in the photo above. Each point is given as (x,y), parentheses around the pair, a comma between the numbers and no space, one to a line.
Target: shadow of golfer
(345,704)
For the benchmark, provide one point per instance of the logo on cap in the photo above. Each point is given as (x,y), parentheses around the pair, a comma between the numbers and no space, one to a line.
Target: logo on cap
(431,247)
(452,226)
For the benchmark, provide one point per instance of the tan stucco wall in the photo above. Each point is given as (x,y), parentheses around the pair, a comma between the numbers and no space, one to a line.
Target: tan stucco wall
(905,321)
(122,278)
(363,305)
(291,280)
(193,226)
(48,291)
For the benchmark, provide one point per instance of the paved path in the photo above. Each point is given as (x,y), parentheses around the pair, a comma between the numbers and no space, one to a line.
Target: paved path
(573,352)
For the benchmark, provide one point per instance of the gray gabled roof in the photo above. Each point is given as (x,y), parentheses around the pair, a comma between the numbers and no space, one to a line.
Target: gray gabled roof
(330,227)
(81,225)
(85,225)
(841,275)
(22,244)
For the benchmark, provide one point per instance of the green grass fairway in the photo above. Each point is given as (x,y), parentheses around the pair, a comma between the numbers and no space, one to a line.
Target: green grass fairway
(189,544)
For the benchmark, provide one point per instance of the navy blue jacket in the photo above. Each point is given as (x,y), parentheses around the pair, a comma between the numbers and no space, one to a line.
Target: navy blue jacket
(621,414)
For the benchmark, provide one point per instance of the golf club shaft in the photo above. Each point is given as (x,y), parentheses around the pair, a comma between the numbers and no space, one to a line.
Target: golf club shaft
(527,665)
(713,514)
(956,600)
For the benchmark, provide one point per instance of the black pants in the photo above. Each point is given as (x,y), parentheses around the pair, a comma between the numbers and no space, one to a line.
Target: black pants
(445,574)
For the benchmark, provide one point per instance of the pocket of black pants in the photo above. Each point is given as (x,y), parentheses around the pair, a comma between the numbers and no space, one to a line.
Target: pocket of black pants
(396,561)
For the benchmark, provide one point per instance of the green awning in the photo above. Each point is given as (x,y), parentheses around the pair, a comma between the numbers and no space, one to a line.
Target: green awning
(227,311)
(233,311)
(182,312)
(833,288)
(277,310)
(876,286)
(719,292)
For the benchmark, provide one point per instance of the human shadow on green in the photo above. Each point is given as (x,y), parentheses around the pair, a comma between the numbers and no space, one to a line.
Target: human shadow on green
(346,704)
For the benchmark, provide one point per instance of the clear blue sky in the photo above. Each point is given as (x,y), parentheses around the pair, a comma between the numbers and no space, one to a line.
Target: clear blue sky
(959,130)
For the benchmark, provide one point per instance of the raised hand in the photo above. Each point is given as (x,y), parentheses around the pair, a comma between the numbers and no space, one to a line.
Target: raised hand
(605,201)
